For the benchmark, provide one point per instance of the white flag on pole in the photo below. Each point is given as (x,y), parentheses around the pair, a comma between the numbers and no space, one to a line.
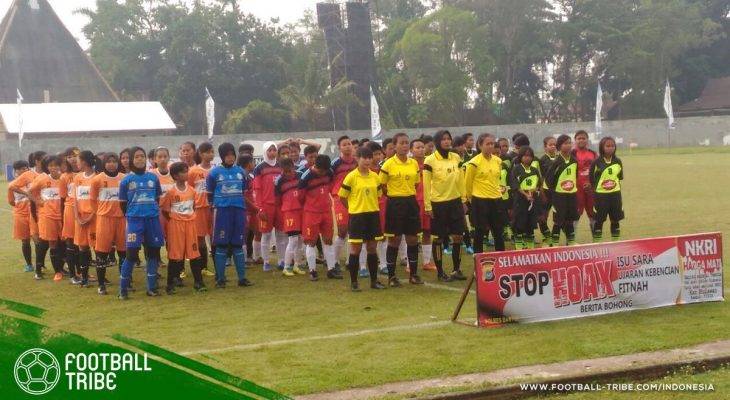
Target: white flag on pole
(374,114)
(599,107)
(209,113)
(668,105)
(20,119)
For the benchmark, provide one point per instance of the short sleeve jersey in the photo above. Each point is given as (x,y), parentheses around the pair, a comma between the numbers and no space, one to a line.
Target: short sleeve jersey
(141,192)
(287,187)
(82,193)
(105,192)
(340,168)
(227,185)
(197,177)
(316,191)
(180,204)
(400,178)
(361,191)
(48,189)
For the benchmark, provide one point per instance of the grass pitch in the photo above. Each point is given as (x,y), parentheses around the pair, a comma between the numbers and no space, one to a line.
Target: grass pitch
(299,337)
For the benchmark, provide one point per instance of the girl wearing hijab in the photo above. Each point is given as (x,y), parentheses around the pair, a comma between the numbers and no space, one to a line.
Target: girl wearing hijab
(270,216)
(444,199)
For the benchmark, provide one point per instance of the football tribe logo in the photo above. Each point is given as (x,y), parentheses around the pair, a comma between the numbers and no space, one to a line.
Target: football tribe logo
(37,371)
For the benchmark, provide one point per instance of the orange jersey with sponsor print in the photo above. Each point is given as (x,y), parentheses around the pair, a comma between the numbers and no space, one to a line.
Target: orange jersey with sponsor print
(179,203)
(22,182)
(104,191)
(20,202)
(82,193)
(48,190)
(196,178)
(67,188)
(166,181)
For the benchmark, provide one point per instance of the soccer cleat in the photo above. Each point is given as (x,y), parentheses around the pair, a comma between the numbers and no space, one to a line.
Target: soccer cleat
(458,275)
(244,282)
(58,277)
(299,271)
(314,276)
(469,250)
(415,280)
(152,293)
(75,281)
(101,291)
(444,278)
(170,290)
(280,266)
(38,277)
(123,296)
(364,273)
(429,267)
(377,285)
(355,287)
(220,285)
(200,287)
(29,268)
(333,274)
(84,284)
(383,271)
(337,267)
(207,272)
(267,267)
(287,272)
(394,282)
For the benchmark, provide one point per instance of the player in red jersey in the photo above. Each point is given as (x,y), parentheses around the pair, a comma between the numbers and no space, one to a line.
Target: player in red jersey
(287,188)
(316,182)
(341,166)
(264,196)
(585,157)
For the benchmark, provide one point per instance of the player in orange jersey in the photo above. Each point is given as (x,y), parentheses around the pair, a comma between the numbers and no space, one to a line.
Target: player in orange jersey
(44,192)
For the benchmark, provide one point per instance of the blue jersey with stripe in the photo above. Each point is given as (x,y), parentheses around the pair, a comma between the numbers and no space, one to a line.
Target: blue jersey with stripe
(227,184)
(141,192)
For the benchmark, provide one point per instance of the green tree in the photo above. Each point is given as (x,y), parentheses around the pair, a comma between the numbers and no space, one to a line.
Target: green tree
(257,117)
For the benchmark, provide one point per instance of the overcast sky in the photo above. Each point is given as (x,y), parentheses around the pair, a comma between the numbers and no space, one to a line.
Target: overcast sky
(286,10)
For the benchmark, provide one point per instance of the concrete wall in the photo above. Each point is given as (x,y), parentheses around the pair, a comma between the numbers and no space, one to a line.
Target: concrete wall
(691,131)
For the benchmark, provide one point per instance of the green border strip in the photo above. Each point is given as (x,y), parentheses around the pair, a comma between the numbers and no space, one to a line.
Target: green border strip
(201,368)
(26,309)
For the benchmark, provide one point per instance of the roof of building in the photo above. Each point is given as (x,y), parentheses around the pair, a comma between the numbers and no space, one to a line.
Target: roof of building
(42,59)
(715,96)
(119,117)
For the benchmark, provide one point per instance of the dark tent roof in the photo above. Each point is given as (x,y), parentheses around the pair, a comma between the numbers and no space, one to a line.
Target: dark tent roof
(715,96)
(38,54)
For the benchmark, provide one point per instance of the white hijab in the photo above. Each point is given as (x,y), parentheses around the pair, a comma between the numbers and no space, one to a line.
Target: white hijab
(267,146)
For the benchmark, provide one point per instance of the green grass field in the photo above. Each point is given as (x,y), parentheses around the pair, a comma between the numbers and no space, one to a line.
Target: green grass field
(299,337)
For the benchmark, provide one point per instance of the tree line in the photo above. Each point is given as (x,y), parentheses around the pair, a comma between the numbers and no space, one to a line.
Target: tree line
(438,63)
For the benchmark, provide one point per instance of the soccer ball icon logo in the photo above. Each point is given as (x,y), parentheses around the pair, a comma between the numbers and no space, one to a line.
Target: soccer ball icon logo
(37,371)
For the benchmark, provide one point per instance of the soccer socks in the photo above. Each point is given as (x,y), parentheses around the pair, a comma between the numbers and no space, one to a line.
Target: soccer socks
(239,260)
(256,250)
(266,246)
(382,250)
(125,277)
(426,253)
(291,250)
(363,258)
(529,241)
(311,253)
(597,230)
(25,247)
(84,263)
(519,241)
(438,254)
(615,231)
(282,241)
(197,267)
(456,255)
(391,257)
(329,256)
(41,248)
(153,263)
(412,252)
(478,241)
(174,268)
(372,260)
(102,261)
(352,266)
(203,249)
(56,260)
(402,249)
(338,246)
(556,235)
(570,233)
(219,260)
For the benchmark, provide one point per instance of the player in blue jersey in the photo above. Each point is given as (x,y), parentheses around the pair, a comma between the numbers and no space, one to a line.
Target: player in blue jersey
(139,194)
(225,185)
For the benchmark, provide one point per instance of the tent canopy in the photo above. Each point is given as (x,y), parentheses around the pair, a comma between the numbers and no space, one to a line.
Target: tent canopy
(58,118)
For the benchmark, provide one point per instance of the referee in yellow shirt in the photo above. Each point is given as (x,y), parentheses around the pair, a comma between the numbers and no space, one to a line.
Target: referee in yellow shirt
(483,190)
(444,200)
(400,176)
(359,193)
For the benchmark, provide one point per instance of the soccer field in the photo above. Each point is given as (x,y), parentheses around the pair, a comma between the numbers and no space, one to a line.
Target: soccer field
(298,337)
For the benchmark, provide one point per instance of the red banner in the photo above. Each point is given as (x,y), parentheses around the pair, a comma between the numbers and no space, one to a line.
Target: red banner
(578,281)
